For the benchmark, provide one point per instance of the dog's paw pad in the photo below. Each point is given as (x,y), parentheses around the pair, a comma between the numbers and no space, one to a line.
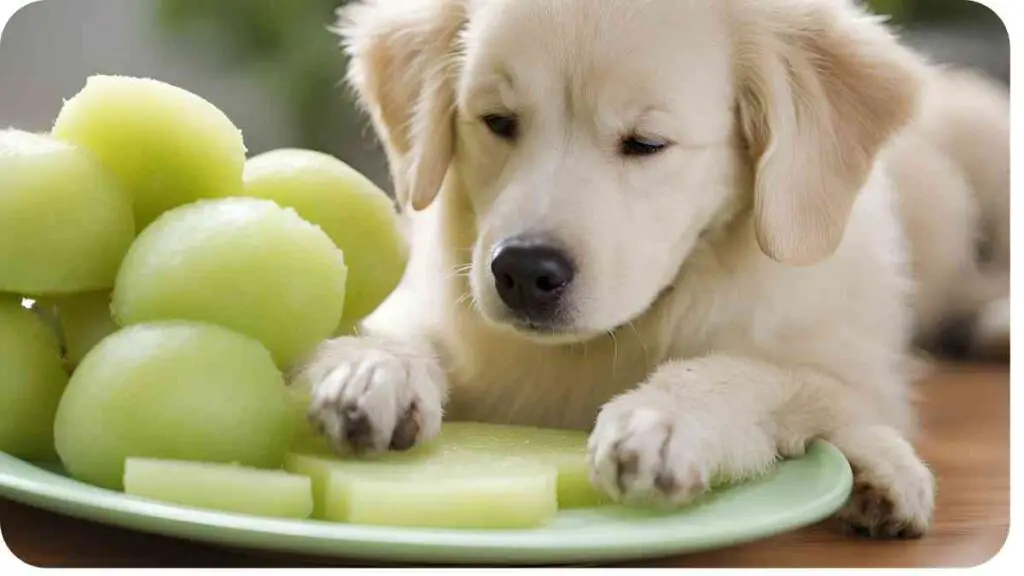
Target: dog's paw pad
(375,401)
(877,511)
(640,457)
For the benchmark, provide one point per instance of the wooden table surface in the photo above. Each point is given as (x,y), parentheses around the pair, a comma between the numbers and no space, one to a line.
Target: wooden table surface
(967,427)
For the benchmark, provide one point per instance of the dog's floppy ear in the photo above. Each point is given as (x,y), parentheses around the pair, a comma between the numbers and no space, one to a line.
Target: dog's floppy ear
(821,88)
(401,55)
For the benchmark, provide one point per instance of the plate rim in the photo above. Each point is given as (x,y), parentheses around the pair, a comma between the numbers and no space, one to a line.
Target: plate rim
(308,538)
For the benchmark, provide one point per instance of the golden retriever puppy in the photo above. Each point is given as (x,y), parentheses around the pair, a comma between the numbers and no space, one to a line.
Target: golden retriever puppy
(952,169)
(675,224)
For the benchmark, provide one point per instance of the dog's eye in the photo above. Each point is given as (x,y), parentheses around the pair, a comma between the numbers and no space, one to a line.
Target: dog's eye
(636,145)
(505,127)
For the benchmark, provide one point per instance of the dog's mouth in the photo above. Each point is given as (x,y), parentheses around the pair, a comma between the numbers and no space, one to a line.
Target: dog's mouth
(552,335)
(559,322)
(560,332)
(556,331)
(544,331)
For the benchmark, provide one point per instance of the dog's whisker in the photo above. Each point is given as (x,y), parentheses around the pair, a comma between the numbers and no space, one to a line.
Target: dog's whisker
(463,298)
(615,352)
(460,271)
(643,347)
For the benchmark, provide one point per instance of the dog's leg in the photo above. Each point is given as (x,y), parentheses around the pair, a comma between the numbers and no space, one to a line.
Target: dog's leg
(374,393)
(894,492)
(718,419)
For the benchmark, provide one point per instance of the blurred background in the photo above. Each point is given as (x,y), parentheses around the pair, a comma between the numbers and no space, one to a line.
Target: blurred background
(275,69)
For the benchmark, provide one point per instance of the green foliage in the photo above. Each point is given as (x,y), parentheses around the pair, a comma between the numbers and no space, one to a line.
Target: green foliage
(254,29)
(290,45)
(290,42)
(920,11)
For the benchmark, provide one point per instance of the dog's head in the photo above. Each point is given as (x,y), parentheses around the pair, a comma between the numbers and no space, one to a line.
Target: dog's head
(597,141)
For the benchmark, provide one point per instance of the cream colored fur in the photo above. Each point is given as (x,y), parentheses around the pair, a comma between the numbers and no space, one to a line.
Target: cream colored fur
(745,291)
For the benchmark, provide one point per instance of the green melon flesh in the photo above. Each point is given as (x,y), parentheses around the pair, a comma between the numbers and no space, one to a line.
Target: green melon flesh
(411,489)
(566,450)
(167,146)
(65,222)
(47,313)
(461,444)
(243,263)
(466,498)
(175,391)
(84,321)
(358,216)
(32,379)
(224,487)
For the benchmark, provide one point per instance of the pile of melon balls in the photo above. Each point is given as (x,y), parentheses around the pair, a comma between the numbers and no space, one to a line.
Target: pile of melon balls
(156,284)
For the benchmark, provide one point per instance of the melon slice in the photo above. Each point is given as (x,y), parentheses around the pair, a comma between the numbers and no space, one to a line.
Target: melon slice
(566,450)
(466,497)
(464,452)
(224,487)
(310,460)
(413,489)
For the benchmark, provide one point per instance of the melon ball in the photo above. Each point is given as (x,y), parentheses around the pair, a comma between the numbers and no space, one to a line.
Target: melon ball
(65,221)
(244,263)
(84,321)
(173,390)
(47,313)
(32,379)
(358,216)
(168,146)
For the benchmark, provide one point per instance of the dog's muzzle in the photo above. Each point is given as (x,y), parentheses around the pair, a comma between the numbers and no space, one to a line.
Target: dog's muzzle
(531,276)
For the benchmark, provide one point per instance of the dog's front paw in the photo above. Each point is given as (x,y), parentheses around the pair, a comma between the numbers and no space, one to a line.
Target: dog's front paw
(642,455)
(890,507)
(893,489)
(372,395)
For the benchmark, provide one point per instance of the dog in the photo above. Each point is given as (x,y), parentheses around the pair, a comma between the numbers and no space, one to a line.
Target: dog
(707,231)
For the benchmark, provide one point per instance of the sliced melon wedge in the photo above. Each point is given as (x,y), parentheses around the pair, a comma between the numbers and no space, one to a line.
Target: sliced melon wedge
(224,487)
(464,454)
(566,450)
(466,497)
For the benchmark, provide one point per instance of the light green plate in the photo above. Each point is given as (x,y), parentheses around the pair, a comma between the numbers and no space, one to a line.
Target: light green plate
(797,493)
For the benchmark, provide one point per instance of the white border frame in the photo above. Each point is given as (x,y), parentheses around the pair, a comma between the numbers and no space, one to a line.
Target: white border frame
(1009,11)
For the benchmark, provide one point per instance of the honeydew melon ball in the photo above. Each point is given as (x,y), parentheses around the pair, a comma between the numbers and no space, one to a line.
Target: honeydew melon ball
(358,216)
(177,391)
(46,311)
(32,379)
(244,263)
(168,146)
(65,221)
(84,321)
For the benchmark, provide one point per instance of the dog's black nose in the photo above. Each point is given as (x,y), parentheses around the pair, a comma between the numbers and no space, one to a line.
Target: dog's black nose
(531,275)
